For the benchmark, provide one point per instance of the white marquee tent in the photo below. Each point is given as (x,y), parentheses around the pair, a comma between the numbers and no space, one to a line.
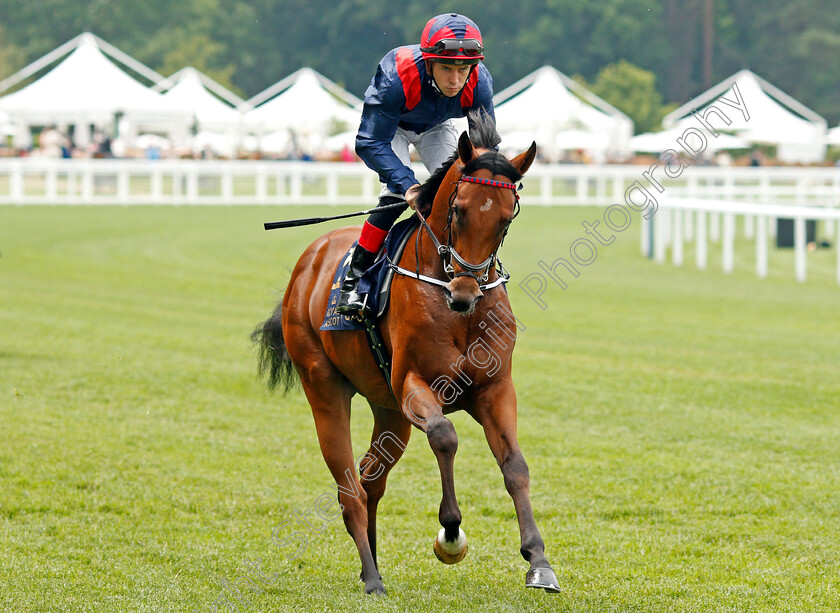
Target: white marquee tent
(559,114)
(775,118)
(217,123)
(657,142)
(87,88)
(306,105)
(192,90)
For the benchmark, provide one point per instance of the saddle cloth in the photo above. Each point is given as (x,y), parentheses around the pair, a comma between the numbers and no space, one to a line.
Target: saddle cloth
(375,283)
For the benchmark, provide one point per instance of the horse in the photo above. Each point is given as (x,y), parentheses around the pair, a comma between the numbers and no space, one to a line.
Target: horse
(443,309)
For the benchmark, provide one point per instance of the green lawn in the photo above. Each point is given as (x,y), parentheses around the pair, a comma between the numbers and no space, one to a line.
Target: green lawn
(681,428)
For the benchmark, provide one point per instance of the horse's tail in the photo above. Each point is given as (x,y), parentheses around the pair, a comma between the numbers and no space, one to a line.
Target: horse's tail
(275,364)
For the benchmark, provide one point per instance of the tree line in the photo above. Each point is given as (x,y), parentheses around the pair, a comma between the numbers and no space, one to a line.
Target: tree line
(642,56)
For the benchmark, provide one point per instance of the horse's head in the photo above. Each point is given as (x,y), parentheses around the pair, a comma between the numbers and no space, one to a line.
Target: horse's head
(478,197)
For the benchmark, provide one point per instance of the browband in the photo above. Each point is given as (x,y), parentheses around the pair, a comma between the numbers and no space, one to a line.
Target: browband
(490,182)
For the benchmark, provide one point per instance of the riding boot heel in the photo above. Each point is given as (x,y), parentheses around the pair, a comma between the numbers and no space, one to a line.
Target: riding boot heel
(351,302)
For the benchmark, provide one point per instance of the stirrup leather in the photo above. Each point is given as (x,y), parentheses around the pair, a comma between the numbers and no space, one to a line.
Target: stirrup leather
(350,301)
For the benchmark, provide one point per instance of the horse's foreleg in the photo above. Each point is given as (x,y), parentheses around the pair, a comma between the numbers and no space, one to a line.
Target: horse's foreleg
(444,443)
(330,402)
(495,410)
(387,444)
(420,407)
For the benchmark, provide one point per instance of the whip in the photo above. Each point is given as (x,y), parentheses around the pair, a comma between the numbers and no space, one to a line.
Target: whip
(307,221)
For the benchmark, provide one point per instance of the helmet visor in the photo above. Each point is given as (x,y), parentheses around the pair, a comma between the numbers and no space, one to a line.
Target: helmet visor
(453,47)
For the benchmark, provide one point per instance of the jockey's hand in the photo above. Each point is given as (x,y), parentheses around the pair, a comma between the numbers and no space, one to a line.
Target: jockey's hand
(411,195)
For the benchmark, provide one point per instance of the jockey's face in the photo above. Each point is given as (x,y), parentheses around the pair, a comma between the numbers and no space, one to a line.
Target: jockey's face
(450,78)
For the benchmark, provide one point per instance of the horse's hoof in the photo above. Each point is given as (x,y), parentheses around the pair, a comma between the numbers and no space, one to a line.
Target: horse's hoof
(376,590)
(543,578)
(450,552)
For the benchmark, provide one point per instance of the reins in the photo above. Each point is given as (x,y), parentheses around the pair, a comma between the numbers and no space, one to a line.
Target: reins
(447,252)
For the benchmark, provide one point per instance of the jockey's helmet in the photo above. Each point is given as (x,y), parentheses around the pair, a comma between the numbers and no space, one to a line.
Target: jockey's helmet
(451,38)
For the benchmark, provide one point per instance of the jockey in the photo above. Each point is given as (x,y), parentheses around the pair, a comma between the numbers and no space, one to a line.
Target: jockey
(413,98)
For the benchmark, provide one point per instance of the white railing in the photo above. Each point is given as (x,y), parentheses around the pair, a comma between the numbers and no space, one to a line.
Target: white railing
(678,220)
(50,181)
(45,181)
(606,184)
(701,204)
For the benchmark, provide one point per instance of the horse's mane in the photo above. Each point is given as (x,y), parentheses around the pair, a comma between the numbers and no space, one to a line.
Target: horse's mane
(483,135)
(483,131)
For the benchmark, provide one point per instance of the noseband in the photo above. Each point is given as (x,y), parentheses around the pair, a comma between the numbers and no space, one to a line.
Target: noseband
(448,253)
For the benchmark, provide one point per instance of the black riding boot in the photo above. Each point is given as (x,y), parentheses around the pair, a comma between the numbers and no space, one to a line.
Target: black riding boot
(351,302)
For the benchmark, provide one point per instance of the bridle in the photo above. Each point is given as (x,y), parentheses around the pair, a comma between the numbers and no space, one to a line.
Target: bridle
(448,253)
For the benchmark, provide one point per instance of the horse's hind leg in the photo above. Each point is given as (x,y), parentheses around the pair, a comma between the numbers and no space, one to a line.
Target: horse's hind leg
(329,396)
(387,444)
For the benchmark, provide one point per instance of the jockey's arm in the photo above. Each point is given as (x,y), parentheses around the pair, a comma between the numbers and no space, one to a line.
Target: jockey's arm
(373,143)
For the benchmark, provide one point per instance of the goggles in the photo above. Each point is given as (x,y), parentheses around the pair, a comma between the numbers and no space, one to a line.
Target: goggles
(450,47)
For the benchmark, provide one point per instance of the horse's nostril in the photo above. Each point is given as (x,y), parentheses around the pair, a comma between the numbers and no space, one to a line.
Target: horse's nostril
(463,305)
(459,306)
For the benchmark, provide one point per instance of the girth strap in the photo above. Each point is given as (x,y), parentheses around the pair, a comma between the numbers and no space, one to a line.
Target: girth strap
(377,348)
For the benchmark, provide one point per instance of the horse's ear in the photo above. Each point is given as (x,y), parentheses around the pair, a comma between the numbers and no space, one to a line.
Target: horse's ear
(523,161)
(466,151)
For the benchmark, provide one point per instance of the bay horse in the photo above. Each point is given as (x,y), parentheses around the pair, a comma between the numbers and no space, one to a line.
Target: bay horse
(439,309)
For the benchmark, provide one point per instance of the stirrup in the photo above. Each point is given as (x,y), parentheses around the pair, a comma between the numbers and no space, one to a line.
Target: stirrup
(351,302)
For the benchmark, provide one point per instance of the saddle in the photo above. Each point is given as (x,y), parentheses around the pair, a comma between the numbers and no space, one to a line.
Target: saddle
(375,283)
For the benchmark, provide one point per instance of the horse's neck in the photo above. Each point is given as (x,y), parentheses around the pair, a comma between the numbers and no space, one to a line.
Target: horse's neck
(438,219)
(439,215)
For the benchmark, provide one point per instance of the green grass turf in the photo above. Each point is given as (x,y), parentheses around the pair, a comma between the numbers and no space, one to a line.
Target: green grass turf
(681,428)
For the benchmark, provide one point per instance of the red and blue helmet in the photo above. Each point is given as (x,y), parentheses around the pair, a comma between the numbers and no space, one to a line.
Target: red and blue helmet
(452,39)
